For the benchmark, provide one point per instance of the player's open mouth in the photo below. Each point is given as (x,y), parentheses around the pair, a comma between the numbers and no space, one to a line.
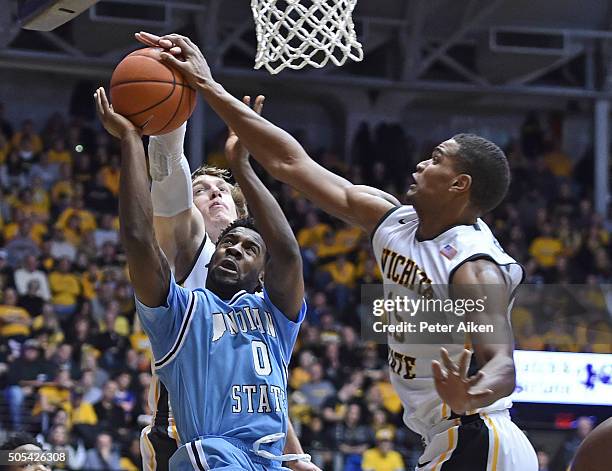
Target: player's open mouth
(217,204)
(229,265)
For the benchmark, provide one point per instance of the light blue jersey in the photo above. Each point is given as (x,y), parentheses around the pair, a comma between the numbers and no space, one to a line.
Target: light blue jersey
(224,364)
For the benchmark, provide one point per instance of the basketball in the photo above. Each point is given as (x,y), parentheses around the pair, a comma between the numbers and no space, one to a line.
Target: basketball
(151,94)
(595,452)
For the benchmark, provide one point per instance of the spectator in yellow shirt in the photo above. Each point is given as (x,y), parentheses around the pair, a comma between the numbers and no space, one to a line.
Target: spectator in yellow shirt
(110,175)
(313,233)
(46,323)
(65,289)
(25,226)
(27,133)
(383,457)
(342,272)
(15,321)
(55,395)
(63,189)
(87,221)
(328,247)
(343,275)
(83,412)
(113,322)
(348,238)
(546,248)
(558,162)
(40,197)
(58,153)
(30,207)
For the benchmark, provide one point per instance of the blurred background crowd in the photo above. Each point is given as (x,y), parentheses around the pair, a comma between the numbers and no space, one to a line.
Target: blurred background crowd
(75,363)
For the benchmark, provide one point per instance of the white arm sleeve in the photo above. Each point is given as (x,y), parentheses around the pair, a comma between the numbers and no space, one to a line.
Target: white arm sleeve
(171,190)
(165,152)
(173,194)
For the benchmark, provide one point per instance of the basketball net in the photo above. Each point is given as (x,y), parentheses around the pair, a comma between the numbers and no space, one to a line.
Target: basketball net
(296,33)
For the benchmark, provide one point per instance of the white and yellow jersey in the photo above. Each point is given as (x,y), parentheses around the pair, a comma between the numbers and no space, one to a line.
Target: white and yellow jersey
(422,267)
(158,396)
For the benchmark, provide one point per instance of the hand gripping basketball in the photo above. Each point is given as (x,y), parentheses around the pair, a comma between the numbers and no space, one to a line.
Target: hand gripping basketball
(151,93)
(181,53)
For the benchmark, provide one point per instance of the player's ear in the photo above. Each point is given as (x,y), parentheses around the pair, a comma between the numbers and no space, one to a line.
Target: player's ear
(461,183)
(260,279)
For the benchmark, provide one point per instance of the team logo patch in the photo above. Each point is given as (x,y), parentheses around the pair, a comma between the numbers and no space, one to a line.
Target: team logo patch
(448,251)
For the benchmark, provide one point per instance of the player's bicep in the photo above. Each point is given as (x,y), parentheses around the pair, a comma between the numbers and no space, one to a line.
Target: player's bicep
(481,284)
(355,204)
(180,236)
(324,188)
(286,328)
(368,205)
(284,282)
(165,325)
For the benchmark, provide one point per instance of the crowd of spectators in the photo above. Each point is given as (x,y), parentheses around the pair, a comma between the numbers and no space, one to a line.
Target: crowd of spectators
(75,363)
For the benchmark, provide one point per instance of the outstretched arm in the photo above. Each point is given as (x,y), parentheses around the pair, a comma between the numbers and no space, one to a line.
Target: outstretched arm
(149,269)
(280,154)
(283,274)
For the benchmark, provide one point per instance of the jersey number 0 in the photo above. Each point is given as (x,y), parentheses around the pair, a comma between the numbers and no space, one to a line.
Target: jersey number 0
(261,358)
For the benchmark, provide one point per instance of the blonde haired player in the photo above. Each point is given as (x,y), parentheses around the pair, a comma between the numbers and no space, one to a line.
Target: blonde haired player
(437,239)
(190,212)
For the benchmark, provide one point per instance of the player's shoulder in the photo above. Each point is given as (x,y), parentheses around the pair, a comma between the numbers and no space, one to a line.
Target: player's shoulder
(478,237)
(397,218)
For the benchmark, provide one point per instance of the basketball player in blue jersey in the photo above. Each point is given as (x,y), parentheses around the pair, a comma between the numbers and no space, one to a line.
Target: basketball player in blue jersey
(190,211)
(437,239)
(221,351)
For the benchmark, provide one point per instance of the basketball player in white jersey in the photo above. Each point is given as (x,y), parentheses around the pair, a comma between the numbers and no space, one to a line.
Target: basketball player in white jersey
(190,211)
(438,239)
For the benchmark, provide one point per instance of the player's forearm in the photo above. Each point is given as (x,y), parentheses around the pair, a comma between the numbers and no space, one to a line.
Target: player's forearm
(292,443)
(270,145)
(280,154)
(135,208)
(147,269)
(269,216)
(499,377)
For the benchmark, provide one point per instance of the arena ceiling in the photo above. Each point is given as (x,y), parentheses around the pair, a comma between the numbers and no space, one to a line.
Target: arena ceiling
(541,47)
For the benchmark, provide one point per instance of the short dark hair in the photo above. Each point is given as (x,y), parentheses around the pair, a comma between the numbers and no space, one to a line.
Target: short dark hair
(488,166)
(18,439)
(248,223)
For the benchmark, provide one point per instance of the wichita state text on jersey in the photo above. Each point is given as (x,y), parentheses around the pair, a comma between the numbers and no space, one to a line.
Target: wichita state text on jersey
(426,269)
(402,270)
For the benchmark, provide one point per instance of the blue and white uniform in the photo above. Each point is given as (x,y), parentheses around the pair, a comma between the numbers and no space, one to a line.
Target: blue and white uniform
(224,364)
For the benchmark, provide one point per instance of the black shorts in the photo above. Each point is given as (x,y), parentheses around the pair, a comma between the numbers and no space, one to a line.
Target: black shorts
(156,447)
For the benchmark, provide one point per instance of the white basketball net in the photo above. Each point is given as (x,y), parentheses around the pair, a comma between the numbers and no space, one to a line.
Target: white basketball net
(296,33)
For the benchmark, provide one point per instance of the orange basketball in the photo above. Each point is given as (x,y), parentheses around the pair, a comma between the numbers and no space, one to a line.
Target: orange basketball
(150,93)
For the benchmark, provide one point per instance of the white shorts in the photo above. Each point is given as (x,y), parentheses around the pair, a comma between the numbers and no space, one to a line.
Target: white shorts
(480,442)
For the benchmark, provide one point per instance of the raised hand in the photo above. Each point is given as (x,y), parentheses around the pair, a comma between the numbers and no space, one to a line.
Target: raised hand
(192,63)
(235,152)
(453,384)
(116,124)
(152,40)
